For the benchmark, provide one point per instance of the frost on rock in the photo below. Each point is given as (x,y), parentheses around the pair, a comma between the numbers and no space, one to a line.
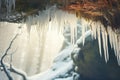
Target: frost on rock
(62,69)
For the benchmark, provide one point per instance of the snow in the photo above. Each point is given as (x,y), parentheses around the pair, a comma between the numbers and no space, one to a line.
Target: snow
(62,69)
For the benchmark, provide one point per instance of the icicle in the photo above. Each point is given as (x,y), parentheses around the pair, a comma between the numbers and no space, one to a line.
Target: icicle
(84,25)
(110,36)
(72,20)
(115,44)
(119,50)
(99,39)
(103,39)
(105,43)
(113,38)
(94,29)
(53,19)
(83,34)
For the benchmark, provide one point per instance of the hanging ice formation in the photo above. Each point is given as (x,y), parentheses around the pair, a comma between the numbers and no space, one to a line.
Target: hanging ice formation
(98,31)
(114,38)
(53,19)
(9,4)
(57,19)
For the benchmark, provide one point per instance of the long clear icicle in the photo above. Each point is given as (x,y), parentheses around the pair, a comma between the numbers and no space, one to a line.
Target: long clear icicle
(84,27)
(99,38)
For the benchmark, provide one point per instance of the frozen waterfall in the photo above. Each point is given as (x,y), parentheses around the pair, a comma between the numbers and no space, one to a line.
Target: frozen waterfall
(53,18)
(42,36)
(58,20)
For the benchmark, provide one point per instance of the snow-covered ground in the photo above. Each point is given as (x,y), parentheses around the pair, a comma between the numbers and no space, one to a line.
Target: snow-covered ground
(62,69)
